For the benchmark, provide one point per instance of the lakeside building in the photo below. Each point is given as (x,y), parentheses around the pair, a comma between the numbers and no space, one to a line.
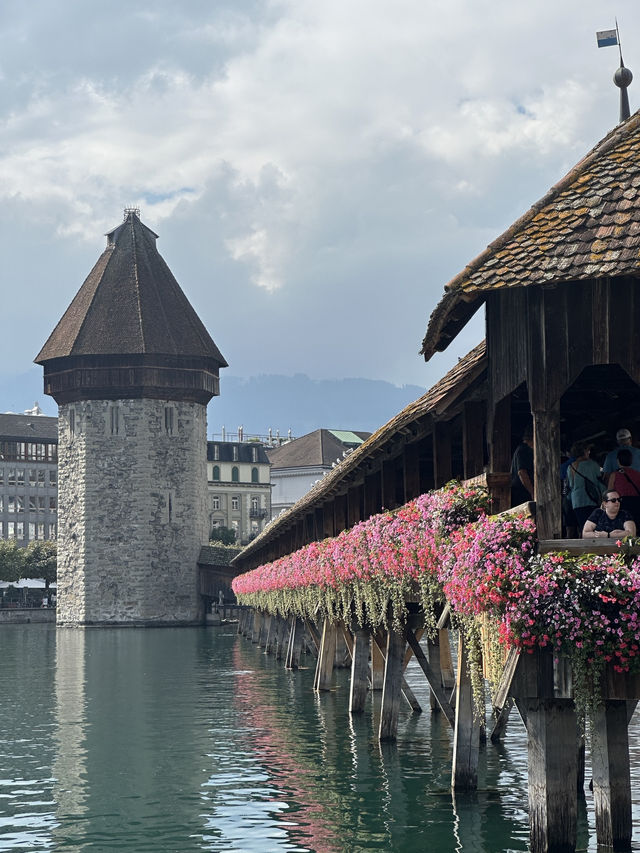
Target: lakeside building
(239,487)
(28,476)
(298,464)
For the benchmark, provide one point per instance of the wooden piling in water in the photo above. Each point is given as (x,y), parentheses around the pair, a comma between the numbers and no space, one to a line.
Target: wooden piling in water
(281,638)
(296,639)
(466,731)
(377,663)
(392,688)
(359,670)
(611,774)
(269,638)
(541,687)
(326,657)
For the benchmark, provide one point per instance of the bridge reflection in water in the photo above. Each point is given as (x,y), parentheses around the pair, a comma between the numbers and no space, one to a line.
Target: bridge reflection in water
(193,739)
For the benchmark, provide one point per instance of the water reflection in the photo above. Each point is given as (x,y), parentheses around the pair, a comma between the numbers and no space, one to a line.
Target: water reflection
(193,740)
(69,763)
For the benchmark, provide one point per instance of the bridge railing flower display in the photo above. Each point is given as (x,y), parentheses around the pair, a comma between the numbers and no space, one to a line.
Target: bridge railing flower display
(369,571)
(444,547)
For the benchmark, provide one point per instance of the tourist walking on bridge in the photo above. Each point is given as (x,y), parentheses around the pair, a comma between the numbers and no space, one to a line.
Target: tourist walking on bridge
(583,476)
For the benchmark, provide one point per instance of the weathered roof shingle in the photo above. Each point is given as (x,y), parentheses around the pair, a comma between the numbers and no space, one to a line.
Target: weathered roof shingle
(586,226)
(130,304)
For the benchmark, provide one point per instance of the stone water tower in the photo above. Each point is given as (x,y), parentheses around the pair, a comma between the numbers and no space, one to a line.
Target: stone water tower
(132,368)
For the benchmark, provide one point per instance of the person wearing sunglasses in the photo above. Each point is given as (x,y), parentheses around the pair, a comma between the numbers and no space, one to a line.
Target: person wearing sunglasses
(610,521)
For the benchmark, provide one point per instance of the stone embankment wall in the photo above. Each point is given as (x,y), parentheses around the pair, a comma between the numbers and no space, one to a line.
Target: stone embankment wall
(132,511)
(20,616)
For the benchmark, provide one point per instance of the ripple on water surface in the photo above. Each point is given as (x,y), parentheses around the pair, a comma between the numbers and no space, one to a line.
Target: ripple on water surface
(193,740)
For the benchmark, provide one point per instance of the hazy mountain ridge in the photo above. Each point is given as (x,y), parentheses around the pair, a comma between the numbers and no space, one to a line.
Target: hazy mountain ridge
(257,403)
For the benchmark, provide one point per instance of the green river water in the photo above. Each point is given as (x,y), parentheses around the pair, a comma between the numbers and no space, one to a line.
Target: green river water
(193,740)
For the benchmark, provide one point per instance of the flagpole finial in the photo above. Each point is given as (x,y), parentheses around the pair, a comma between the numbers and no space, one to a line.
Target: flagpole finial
(622,78)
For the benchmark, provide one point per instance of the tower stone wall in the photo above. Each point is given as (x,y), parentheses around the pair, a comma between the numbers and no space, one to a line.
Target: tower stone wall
(132,511)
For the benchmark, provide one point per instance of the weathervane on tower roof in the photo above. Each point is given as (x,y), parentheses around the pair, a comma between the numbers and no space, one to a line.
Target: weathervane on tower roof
(623,77)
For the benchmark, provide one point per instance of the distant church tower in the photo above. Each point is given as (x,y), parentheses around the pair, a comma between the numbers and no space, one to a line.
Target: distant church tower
(132,369)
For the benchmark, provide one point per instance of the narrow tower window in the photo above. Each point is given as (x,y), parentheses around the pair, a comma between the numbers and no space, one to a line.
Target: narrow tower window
(114,420)
(169,419)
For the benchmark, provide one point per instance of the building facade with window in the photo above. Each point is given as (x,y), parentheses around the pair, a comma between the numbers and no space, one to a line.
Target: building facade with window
(28,477)
(296,465)
(239,487)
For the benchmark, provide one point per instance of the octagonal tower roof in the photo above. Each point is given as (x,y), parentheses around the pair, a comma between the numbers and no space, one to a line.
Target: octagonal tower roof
(130,313)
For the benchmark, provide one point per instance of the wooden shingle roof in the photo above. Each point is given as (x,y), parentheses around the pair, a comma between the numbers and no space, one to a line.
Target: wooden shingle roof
(130,304)
(587,226)
(440,398)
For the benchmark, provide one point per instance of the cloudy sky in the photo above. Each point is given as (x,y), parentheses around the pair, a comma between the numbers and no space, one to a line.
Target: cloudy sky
(317,170)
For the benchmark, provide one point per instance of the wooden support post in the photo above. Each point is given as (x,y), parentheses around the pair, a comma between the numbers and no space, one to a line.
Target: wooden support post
(256,627)
(268,643)
(326,657)
(410,696)
(377,664)
(441,453)
(264,631)
(311,630)
(281,638)
(291,632)
(502,703)
(407,692)
(392,686)
(389,469)
(359,670)
(473,438)
(466,731)
(541,687)
(343,655)
(611,775)
(553,800)
(434,682)
(411,460)
(498,478)
(295,646)
(433,656)
(446,660)
(546,448)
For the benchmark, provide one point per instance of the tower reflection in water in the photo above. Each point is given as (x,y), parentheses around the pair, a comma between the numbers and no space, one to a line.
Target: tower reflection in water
(69,763)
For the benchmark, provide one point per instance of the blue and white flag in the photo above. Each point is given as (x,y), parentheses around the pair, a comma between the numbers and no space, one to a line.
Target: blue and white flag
(607,37)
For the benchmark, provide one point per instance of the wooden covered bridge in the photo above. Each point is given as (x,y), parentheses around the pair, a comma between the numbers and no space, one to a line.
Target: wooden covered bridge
(562,298)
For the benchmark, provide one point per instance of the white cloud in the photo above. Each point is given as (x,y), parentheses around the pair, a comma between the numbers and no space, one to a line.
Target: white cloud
(326,156)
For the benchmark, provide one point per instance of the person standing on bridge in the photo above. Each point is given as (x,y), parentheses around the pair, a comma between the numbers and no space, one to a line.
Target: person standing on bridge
(623,437)
(522,470)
